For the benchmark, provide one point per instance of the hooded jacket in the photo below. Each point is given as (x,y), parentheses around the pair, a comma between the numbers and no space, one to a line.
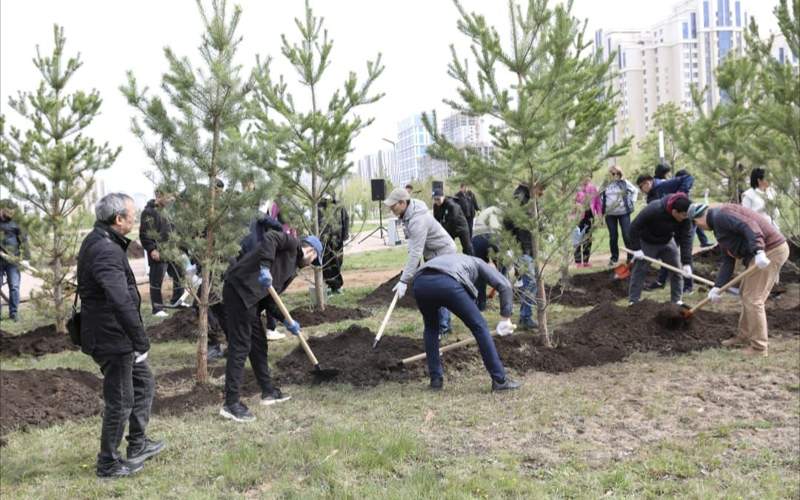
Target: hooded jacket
(662,188)
(154,227)
(426,237)
(450,216)
(656,225)
(468,203)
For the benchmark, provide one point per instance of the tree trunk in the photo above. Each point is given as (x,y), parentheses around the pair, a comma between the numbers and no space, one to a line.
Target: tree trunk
(541,293)
(58,297)
(202,329)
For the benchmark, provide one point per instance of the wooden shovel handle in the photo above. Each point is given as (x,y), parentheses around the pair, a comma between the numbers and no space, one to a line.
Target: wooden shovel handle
(727,285)
(285,312)
(448,347)
(386,318)
(672,268)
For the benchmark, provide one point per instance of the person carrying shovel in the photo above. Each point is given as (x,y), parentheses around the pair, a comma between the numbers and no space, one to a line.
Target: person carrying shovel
(745,234)
(273,262)
(449,282)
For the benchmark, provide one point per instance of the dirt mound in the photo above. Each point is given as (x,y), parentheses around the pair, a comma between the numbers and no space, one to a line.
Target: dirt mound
(36,342)
(44,397)
(181,325)
(331,314)
(383,295)
(706,264)
(589,289)
(199,396)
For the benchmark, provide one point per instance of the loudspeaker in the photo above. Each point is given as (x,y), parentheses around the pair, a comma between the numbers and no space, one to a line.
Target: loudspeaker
(378,189)
(437,185)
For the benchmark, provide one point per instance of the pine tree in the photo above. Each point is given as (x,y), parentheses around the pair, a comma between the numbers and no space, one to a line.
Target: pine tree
(553,111)
(312,144)
(196,140)
(51,167)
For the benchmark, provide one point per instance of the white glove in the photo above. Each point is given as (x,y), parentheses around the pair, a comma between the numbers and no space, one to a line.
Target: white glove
(687,271)
(26,264)
(505,327)
(140,356)
(638,255)
(761,260)
(400,288)
(714,294)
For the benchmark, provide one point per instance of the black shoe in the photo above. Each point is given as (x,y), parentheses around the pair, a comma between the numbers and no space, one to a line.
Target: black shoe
(14,318)
(653,286)
(436,384)
(336,291)
(529,324)
(237,412)
(149,449)
(506,385)
(444,333)
(118,469)
(215,352)
(273,396)
(706,245)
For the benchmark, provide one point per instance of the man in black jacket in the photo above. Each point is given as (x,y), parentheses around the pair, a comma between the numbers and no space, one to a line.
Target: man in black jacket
(12,244)
(113,334)
(272,263)
(154,230)
(334,231)
(469,205)
(659,230)
(447,212)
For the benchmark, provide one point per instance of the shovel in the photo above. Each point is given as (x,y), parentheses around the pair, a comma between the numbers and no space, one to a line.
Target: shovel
(319,374)
(622,271)
(448,347)
(688,313)
(385,320)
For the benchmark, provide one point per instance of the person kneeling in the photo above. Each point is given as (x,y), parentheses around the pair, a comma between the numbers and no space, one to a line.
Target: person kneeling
(449,282)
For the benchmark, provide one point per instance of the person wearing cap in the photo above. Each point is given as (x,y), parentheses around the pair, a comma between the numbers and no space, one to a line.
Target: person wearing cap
(744,234)
(449,214)
(658,231)
(449,281)
(273,262)
(655,188)
(426,239)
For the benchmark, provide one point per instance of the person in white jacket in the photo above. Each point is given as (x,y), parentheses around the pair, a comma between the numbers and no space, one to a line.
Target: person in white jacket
(761,197)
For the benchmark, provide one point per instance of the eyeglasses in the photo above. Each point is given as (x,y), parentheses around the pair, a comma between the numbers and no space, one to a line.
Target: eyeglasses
(616,174)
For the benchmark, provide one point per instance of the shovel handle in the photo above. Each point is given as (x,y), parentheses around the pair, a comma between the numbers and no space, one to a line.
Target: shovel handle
(285,312)
(673,268)
(724,287)
(448,347)
(386,318)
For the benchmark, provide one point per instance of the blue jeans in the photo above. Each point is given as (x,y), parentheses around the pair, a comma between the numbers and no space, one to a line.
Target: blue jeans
(528,291)
(624,222)
(10,272)
(434,291)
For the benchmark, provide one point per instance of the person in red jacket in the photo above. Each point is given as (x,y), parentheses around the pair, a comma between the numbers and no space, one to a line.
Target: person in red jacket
(744,234)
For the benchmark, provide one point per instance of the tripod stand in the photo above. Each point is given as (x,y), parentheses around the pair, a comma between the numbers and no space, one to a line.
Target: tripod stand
(380,225)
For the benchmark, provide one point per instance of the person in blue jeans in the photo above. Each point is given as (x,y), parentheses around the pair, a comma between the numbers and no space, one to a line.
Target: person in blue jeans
(449,282)
(524,264)
(12,244)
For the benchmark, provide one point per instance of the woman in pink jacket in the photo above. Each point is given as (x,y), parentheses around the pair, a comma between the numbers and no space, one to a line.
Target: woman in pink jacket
(588,204)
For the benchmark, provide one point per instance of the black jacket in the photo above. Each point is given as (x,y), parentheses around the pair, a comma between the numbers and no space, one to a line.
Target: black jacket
(656,225)
(280,253)
(334,224)
(12,238)
(154,227)
(468,203)
(452,219)
(110,300)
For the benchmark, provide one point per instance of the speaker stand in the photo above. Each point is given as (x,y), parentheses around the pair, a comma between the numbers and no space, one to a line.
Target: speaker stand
(380,225)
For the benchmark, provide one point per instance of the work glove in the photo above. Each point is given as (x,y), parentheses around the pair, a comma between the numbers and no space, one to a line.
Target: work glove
(761,260)
(265,278)
(293,327)
(714,294)
(687,271)
(400,288)
(638,255)
(26,264)
(138,357)
(505,327)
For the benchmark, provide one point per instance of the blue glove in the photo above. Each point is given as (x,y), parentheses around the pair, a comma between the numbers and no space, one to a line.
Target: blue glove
(265,278)
(293,327)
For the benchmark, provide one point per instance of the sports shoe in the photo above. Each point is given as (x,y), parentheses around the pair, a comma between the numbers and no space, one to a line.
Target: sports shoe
(653,286)
(118,469)
(336,291)
(612,262)
(182,300)
(733,342)
(273,396)
(505,385)
(437,384)
(754,353)
(275,335)
(149,449)
(215,352)
(528,324)
(444,333)
(161,314)
(237,412)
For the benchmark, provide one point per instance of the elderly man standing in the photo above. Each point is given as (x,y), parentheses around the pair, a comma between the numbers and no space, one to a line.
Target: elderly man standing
(745,234)
(113,334)
(426,238)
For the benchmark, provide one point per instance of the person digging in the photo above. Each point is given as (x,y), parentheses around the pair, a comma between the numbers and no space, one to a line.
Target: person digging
(449,281)
(426,238)
(743,234)
(273,262)
(657,232)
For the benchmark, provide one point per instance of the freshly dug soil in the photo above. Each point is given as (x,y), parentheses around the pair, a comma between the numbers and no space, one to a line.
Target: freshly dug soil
(36,342)
(199,396)
(331,314)
(38,398)
(706,264)
(383,295)
(589,289)
(181,325)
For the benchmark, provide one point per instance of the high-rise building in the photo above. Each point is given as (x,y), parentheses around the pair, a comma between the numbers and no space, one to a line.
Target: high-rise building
(411,148)
(661,64)
(782,52)
(380,165)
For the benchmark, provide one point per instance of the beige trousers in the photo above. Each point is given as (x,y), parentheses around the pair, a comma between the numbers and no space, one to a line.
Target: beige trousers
(754,292)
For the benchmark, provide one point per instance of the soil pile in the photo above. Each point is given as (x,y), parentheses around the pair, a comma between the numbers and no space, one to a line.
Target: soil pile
(181,325)
(706,264)
(45,397)
(589,289)
(383,295)
(36,342)
(331,314)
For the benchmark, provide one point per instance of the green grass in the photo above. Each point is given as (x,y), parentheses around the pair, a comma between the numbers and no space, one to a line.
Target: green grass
(377,259)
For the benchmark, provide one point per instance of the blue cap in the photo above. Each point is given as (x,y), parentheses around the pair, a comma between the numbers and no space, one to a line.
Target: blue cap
(314,242)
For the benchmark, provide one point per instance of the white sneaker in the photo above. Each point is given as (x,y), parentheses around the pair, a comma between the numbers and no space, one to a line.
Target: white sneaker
(182,300)
(196,280)
(161,314)
(275,335)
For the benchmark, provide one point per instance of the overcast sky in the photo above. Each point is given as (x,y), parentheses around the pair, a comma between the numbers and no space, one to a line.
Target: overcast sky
(414,36)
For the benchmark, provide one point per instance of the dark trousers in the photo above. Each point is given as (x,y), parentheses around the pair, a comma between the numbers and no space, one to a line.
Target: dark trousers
(246,337)
(624,222)
(466,242)
(482,245)
(470,221)
(583,250)
(217,321)
(332,260)
(701,235)
(434,290)
(157,272)
(667,253)
(128,390)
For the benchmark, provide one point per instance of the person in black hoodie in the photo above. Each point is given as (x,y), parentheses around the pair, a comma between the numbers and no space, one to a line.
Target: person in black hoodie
(154,230)
(448,213)
(112,333)
(273,262)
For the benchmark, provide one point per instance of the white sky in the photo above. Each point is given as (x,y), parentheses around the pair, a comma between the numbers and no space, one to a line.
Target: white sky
(114,36)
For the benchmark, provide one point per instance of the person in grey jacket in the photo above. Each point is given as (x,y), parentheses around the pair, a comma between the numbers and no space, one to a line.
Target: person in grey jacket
(449,281)
(426,239)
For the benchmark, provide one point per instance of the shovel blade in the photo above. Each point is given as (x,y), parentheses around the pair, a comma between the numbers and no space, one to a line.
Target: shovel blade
(324,375)
(622,271)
